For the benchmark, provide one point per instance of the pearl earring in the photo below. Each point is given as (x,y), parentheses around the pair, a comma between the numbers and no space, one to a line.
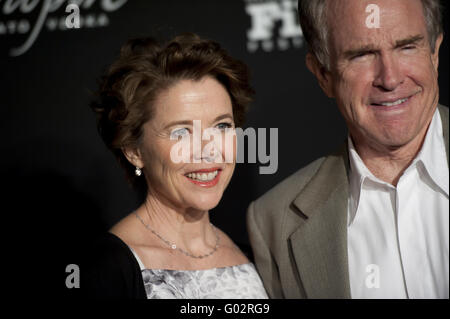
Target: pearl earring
(138,171)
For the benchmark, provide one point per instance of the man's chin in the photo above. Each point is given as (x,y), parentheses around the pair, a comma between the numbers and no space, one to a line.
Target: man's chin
(394,141)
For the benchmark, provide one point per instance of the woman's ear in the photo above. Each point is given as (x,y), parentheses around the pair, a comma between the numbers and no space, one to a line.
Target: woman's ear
(323,76)
(134,156)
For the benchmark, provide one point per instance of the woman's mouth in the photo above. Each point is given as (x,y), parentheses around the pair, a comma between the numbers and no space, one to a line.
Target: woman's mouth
(204,177)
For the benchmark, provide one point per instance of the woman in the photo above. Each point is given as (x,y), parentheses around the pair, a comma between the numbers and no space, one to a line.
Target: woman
(157,103)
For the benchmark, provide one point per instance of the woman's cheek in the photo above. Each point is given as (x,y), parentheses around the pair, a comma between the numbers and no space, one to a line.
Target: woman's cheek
(229,143)
(180,151)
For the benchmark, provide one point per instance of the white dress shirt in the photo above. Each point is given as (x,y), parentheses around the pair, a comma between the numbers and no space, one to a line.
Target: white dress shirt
(398,236)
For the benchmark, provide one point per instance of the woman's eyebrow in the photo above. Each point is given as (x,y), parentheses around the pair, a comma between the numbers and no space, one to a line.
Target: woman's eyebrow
(190,122)
(180,122)
(223,116)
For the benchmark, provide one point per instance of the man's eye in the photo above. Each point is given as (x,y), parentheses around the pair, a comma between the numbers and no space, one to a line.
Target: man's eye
(224,125)
(360,55)
(409,47)
(179,132)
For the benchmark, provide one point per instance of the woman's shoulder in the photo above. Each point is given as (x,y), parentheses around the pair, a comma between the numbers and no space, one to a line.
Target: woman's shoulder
(231,253)
(110,270)
(107,247)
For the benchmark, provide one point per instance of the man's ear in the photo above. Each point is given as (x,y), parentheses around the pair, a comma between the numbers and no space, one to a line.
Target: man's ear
(134,156)
(435,54)
(323,76)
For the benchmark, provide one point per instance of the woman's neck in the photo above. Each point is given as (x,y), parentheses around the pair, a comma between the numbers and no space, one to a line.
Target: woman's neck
(188,228)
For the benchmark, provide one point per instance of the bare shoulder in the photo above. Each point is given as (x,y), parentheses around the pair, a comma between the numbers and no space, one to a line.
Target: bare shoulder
(230,252)
(144,244)
(132,233)
(125,229)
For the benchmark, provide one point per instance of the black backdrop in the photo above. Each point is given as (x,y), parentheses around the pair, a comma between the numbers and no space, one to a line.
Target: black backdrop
(61,187)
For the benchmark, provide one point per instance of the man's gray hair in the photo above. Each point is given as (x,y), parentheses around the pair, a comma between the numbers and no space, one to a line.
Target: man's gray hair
(313,20)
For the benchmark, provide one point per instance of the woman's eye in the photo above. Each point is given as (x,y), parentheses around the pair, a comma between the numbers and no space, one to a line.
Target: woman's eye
(224,125)
(179,132)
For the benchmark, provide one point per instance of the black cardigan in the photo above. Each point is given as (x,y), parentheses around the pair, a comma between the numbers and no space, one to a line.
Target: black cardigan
(111,271)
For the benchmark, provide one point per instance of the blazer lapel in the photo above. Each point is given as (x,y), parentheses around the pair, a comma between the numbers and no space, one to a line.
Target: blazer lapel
(319,244)
(444,118)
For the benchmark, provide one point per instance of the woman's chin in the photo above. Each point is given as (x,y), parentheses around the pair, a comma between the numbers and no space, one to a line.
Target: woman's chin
(205,203)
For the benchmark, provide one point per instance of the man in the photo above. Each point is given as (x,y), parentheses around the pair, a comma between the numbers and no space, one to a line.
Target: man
(372,220)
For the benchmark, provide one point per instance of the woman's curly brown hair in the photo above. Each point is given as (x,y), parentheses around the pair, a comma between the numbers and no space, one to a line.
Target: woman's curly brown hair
(143,69)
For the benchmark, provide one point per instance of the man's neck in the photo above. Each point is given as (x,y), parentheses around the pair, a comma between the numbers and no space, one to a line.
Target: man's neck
(389,163)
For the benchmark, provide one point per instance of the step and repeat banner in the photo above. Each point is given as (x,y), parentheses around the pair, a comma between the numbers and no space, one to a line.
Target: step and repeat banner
(62,187)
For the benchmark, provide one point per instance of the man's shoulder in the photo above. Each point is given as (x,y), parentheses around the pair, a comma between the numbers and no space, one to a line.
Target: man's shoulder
(324,169)
(286,191)
(443,109)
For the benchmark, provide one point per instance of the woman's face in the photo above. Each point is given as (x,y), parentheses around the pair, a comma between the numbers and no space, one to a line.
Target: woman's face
(181,168)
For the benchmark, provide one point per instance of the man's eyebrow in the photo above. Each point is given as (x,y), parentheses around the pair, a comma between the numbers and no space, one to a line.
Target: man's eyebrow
(370,48)
(409,40)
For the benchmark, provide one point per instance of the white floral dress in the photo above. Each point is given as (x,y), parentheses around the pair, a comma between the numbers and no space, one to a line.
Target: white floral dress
(234,282)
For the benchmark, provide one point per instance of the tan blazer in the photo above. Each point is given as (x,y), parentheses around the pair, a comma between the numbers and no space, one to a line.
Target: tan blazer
(298,230)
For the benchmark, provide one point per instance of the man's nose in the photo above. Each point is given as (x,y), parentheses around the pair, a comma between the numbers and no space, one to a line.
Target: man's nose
(388,75)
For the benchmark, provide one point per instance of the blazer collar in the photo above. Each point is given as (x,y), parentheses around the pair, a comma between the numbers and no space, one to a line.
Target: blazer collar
(319,245)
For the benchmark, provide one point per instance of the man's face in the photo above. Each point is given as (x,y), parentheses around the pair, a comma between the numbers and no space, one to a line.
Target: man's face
(384,79)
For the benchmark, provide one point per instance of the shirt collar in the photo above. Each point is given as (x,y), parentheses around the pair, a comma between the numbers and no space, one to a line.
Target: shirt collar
(359,173)
(432,156)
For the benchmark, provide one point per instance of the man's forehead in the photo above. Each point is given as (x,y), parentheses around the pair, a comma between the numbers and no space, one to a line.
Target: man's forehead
(397,21)
(354,14)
